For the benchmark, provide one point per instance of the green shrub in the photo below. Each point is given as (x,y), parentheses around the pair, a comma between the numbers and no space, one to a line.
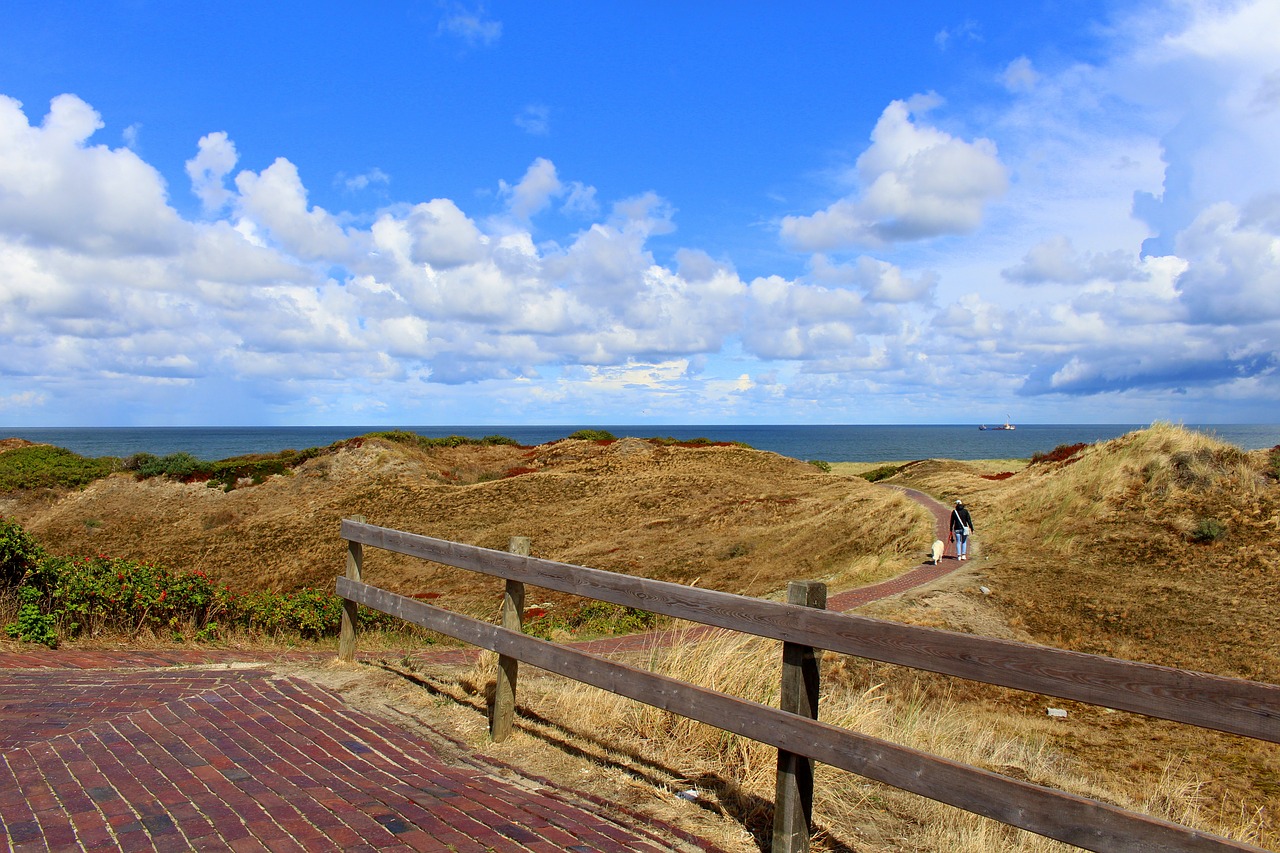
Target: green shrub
(820,465)
(310,613)
(19,553)
(884,472)
(138,461)
(32,625)
(226,473)
(1208,530)
(178,466)
(400,436)
(594,435)
(68,597)
(45,467)
(446,441)
(256,468)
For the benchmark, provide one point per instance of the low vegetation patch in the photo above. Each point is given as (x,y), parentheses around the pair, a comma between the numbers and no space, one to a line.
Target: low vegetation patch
(63,598)
(19,554)
(596,435)
(1208,530)
(1066,453)
(593,619)
(428,443)
(45,467)
(42,466)
(669,441)
(227,473)
(884,472)
(252,469)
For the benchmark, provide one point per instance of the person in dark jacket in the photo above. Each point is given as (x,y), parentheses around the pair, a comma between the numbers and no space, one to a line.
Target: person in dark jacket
(961,527)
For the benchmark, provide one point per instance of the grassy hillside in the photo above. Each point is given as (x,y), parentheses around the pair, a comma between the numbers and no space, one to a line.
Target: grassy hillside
(724,517)
(1163,545)
(1160,546)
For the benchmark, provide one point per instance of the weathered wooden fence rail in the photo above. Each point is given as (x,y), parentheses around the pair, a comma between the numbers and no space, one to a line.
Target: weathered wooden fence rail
(1225,704)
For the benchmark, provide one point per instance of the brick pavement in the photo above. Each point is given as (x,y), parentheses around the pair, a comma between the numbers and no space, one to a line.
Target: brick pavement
(197,750)
(237,758)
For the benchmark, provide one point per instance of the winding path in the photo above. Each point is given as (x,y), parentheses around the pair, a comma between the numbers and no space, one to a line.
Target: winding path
(922,574)
(210,750)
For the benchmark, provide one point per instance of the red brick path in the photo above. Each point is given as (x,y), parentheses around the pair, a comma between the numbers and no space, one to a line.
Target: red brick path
(920,575)
(125,751)
(219,758)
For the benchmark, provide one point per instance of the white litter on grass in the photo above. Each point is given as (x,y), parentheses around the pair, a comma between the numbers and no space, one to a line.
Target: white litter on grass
(985,590)
(1058,712)
(691,795)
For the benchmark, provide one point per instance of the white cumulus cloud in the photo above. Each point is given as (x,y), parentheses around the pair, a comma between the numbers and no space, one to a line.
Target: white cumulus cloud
(57,189)
(916,182)
(276,200)
(208,170)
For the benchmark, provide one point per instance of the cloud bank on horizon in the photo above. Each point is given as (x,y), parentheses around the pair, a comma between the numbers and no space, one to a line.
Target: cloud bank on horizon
(1069,225)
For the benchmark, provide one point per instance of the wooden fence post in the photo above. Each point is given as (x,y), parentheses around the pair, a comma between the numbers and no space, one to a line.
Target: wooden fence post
(504,694)
(793,802)
(347,633)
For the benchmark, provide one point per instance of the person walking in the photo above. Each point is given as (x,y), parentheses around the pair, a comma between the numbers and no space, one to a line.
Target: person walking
(961,527)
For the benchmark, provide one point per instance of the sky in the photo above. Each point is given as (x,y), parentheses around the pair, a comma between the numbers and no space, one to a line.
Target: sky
(438,213)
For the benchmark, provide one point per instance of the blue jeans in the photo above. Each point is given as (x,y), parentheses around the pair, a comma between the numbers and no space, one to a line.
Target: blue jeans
(962,542)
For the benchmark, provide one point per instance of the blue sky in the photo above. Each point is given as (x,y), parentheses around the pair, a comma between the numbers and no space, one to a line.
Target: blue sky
(452,213)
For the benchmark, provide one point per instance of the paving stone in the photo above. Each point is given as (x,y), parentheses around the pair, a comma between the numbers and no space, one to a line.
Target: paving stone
(157,760)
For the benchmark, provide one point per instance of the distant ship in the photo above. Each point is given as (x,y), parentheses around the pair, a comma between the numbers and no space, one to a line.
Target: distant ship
(1007,425)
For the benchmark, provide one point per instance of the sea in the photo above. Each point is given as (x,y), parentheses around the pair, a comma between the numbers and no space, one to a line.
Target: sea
(825,442)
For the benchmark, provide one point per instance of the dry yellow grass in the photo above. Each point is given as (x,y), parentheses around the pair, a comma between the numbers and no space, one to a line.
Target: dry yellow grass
(725,518)
(734,777)
(1054,539)
(1099,554)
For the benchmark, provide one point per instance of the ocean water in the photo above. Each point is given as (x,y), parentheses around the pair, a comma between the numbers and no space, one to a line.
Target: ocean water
(830,443)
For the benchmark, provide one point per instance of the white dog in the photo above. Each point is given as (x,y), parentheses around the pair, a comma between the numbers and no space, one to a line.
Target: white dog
(938,549)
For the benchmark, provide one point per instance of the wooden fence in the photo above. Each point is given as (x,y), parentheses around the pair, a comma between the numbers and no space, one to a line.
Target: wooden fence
(1229,705)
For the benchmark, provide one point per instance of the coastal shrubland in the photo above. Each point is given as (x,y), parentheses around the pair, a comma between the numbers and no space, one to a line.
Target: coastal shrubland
(53,599)
(1159,546)
(26,467)
(41,466)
